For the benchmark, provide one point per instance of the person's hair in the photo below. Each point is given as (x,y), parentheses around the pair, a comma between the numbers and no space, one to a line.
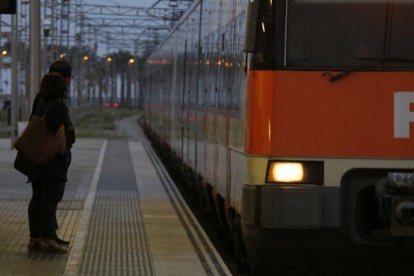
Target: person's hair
(62,67)
(52,87)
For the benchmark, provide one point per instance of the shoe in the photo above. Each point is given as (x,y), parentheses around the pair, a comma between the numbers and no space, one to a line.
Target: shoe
(61,242)
(51,246)
(34,245)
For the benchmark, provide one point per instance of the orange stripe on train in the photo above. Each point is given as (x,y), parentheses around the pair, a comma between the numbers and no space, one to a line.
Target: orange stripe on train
(296,113)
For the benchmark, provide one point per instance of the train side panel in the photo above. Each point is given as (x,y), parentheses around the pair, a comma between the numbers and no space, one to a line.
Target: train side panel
(198,98)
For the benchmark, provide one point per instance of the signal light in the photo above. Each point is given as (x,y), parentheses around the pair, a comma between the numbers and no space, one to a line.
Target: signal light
(116,104)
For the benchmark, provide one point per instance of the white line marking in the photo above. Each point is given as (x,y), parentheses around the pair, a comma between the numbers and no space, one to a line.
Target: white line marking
(160,216)
(75,255)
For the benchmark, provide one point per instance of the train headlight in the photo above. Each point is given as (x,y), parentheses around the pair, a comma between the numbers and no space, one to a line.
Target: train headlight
(286,172)
(299,172)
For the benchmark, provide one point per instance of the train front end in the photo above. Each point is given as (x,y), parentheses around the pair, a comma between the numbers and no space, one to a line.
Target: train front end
(330,135)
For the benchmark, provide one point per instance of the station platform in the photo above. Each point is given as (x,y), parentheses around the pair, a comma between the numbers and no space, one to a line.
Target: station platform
(121,213)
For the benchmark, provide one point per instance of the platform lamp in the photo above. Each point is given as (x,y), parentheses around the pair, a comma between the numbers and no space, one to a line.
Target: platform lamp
(173,4)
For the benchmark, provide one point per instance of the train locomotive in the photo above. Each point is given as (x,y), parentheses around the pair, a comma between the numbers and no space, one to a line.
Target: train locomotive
(293,122)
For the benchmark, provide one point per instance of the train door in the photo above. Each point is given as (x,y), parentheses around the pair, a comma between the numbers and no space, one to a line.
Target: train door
(217,127)
(224,96)
(199,96)
(202,103)
(211,87)
(175,107)
(192,89)
(170,74)
(237,110)
(183,113)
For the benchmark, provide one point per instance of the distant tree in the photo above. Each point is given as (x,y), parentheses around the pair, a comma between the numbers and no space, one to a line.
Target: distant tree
(120,60)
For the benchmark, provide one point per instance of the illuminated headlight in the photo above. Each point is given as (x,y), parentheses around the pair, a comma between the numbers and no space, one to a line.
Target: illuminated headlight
(287,172)
(299,172)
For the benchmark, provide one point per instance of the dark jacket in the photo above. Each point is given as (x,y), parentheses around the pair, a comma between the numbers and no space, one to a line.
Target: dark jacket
(57,113)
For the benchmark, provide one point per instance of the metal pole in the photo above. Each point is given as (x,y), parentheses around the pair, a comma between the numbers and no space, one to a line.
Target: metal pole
(52,32)
(1,60)
(34,50)
(14,92)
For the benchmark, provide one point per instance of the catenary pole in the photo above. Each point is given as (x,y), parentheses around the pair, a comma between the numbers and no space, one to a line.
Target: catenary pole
(14,82)
(35,38)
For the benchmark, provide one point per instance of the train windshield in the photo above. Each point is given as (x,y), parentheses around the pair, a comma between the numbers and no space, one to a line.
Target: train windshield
(334,34)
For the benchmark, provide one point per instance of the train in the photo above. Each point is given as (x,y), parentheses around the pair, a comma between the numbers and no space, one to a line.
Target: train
(292,122)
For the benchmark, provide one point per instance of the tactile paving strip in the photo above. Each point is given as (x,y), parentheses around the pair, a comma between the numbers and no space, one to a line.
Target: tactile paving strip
(116,242)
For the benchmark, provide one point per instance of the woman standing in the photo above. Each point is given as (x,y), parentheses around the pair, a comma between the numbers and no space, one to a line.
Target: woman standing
(48,183)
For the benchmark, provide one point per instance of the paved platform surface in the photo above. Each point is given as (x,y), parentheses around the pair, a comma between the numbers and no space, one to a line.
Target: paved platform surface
(121,212)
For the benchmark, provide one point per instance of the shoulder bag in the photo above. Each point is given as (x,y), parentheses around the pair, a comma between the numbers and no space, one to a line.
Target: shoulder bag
(38,143)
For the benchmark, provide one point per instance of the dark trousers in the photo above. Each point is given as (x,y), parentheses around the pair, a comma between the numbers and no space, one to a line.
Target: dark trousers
(47,193)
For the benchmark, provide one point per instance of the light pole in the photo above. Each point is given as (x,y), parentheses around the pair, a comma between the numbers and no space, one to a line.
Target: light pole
(131,63)
(86,93)
(46,33)
(109,80)
(1,62)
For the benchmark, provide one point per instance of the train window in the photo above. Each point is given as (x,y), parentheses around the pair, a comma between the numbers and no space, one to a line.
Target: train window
(402,37)
(266,40)
(334,35)
(348,34)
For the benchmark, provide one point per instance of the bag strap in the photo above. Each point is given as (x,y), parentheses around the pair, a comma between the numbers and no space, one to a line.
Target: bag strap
(44,113)
(43,102)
